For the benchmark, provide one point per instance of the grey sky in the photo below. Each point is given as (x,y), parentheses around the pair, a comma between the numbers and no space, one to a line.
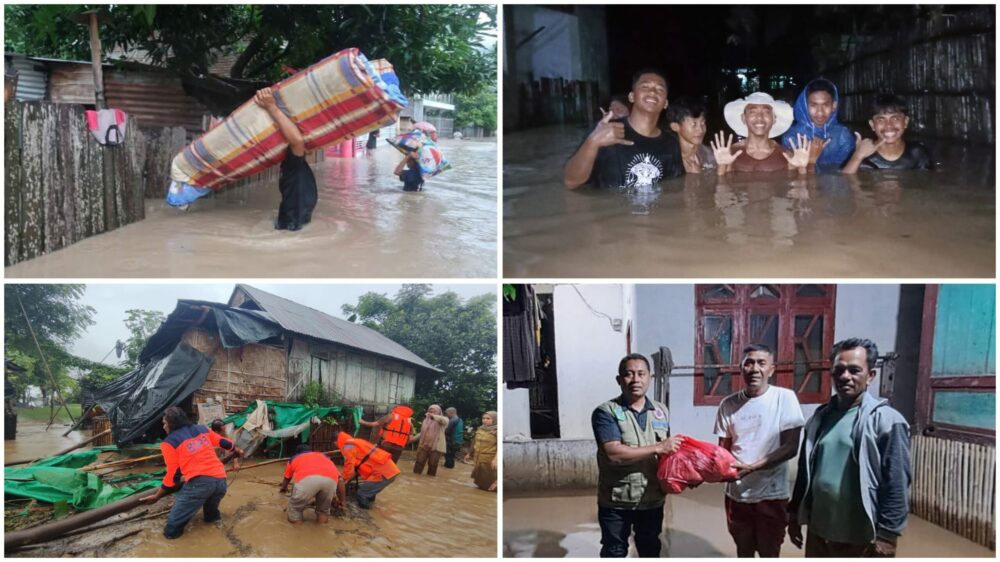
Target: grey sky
(112,300)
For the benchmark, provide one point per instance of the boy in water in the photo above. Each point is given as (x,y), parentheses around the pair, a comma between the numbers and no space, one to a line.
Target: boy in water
(408,171)
(296,182)
(686,117)
(890,152)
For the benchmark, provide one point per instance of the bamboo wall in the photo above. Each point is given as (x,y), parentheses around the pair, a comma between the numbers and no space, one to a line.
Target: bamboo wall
(61,186)
(954,487)
(241,375)
(944,67)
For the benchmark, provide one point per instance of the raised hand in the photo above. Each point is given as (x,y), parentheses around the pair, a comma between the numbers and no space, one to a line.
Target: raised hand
(723,149)
(800,152)
(817,149)
(265,99)
(607,133)
(863,148)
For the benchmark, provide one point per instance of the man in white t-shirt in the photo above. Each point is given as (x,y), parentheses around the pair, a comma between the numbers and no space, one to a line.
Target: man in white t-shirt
(760,425)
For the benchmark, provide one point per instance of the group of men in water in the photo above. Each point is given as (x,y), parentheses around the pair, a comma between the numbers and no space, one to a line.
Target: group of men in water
(628,149)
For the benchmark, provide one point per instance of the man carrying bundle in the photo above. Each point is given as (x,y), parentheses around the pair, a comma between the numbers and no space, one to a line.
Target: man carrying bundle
(296,182)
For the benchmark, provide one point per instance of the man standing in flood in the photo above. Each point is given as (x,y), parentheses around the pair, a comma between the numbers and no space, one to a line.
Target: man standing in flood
(760,425)
(455,429)
(759,118)
(632,152)
(853,483)
(816,117)
(631,430)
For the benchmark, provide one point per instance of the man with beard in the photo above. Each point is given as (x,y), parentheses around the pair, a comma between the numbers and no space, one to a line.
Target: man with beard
(853,484)
(631,431)
(632,152)
(759,117)
(760,425)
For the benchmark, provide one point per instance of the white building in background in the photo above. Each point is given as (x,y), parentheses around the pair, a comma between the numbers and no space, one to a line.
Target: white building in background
(594,326)
(436,109)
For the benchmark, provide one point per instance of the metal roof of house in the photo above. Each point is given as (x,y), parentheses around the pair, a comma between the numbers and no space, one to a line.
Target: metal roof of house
(307,321)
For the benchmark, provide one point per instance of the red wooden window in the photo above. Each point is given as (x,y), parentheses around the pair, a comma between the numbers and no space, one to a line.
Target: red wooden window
(794,320)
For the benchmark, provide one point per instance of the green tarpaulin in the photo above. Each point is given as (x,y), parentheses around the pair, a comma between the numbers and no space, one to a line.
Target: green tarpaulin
(58,478)
(287,414)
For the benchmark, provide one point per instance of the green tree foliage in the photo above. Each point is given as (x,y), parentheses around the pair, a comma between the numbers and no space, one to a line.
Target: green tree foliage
(455,336)
(479,109)
(434,48)
(57,319)
(141,325)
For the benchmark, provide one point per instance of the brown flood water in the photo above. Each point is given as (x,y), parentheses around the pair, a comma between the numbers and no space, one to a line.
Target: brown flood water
(564,525)
(416,516)
(33,442)
(364,226)
(877,224)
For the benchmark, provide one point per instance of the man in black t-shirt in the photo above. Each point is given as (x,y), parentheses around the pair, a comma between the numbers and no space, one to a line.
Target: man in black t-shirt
(890,118)
(632,152)
(296,183)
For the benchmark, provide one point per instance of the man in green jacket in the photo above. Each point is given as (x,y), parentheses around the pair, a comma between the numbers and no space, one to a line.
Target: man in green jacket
(631,431)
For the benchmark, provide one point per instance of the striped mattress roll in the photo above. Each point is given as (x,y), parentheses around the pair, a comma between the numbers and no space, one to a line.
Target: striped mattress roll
(340,97)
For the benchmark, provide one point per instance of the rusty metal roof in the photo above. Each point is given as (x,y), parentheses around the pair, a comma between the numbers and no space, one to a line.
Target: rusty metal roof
(307,321)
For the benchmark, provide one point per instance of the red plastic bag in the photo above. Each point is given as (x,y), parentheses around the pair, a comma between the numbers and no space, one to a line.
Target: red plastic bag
(693,463)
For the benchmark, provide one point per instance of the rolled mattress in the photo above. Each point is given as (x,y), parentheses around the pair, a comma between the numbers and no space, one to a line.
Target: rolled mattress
(340,97)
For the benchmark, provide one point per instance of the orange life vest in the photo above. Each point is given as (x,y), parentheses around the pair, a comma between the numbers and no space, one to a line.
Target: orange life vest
(397,431)
(366,457)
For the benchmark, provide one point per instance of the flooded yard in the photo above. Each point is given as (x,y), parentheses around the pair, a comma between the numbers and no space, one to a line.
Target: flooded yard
(876,224)
(363,226)
(564,525)
(416,516)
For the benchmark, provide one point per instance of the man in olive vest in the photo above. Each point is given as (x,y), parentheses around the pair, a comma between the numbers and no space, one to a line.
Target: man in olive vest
(631,431)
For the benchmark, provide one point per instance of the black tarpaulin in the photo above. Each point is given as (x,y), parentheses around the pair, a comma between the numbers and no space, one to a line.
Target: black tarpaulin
(135,401)
(238,327)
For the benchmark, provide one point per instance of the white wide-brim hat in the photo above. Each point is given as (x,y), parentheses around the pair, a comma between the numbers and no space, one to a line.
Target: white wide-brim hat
(783,114)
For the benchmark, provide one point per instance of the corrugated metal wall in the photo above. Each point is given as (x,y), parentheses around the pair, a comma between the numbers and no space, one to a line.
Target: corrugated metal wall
(153,100)
(71,82)
(354,377)
(32,79)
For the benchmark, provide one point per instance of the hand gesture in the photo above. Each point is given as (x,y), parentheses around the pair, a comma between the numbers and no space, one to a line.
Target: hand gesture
(794,530)
(864,147)
(800,152)
(265,99)
(669,445)
(607,133)
(723,149)
(817,149)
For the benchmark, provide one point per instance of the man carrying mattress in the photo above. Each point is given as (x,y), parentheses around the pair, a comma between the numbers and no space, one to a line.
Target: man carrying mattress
(296,182)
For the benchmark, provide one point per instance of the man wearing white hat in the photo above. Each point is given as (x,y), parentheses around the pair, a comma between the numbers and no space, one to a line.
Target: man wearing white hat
(629,153)
(759,118)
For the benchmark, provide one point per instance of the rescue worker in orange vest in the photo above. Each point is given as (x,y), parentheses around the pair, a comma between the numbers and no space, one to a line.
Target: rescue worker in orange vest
(373,467)
(315,477)
(395,429)
(188,452)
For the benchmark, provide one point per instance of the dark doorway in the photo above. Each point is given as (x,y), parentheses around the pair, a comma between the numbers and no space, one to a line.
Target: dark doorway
(544,395)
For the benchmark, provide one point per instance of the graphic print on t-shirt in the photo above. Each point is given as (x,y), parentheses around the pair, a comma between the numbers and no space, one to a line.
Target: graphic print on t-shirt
(643,171)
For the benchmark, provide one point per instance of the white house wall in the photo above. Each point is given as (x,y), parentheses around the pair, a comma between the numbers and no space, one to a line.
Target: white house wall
(587,355)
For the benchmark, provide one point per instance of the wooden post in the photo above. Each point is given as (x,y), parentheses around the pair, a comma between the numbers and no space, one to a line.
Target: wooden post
(95,59)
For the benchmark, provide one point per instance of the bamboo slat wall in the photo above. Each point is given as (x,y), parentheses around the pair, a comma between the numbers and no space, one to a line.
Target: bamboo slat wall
(239,376)
(954,487)
(61,186)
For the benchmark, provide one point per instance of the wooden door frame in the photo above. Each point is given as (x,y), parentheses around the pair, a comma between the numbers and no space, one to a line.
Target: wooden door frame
(927,385)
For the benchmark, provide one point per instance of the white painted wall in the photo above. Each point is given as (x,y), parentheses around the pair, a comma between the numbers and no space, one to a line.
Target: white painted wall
(666,317)
(588,350)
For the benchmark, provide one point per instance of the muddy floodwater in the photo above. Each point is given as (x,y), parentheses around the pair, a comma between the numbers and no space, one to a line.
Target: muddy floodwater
(875,224)
(416,516)
(364,226)
(564,525)
(33,442)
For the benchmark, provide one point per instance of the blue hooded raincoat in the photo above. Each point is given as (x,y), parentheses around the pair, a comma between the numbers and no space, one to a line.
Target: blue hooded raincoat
(841,139)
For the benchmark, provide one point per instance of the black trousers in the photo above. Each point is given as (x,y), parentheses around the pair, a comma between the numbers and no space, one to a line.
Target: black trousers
(618,524)
(449,455)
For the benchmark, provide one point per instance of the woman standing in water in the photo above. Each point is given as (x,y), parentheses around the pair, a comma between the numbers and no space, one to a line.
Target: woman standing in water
(484,452)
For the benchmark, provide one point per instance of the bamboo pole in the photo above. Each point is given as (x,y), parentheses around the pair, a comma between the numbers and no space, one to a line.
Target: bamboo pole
(55,385)
(64,451)
(57,529)
(123,462)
